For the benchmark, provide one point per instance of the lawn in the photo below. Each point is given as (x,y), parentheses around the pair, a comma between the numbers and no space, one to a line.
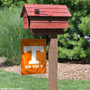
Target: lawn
(26,82)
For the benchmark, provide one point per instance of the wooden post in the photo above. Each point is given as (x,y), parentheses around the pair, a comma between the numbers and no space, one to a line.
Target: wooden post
(53,80)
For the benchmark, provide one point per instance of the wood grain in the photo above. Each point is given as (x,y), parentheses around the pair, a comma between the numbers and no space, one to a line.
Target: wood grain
(48,24)
(53,81)
(44,6)
(46,10)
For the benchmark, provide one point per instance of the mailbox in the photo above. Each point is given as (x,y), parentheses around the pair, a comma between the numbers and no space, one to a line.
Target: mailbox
(45,19)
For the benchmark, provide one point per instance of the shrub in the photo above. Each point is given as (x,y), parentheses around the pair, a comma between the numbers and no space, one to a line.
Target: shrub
(71,47)
(85,28)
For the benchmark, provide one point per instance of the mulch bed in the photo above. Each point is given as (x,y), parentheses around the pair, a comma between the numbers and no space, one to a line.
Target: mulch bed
(65,71)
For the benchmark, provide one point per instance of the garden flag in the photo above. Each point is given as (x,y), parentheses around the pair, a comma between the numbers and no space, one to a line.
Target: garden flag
(33,56)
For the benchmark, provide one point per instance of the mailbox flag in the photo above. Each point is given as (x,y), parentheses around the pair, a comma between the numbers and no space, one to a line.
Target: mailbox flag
(33,56)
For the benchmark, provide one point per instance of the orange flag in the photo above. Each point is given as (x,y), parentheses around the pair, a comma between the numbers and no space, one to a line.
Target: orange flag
(33,56)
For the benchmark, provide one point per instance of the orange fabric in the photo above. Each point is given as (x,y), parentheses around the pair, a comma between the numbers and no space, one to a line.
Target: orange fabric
(27,68)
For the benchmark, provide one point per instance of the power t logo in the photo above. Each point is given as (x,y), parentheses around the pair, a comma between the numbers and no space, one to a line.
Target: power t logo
(34,49)
(33,58)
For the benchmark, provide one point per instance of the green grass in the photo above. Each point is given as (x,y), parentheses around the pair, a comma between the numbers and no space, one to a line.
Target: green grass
(26,82)
(11,33)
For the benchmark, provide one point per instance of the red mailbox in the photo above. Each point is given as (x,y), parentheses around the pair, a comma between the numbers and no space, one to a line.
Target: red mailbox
(47,20)
(44,19)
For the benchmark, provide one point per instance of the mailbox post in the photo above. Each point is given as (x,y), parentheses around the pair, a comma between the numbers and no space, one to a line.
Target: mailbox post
(47,20)
(53,79)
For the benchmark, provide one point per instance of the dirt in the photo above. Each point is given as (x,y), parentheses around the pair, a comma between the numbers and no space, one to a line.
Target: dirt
(65,71)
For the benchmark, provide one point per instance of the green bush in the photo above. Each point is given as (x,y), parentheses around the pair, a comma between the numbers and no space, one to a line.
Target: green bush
(85,25)
(85,28)
(71,47)
(12,3)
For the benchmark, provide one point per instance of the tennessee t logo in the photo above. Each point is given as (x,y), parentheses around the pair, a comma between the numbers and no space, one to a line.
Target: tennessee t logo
(33,49)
